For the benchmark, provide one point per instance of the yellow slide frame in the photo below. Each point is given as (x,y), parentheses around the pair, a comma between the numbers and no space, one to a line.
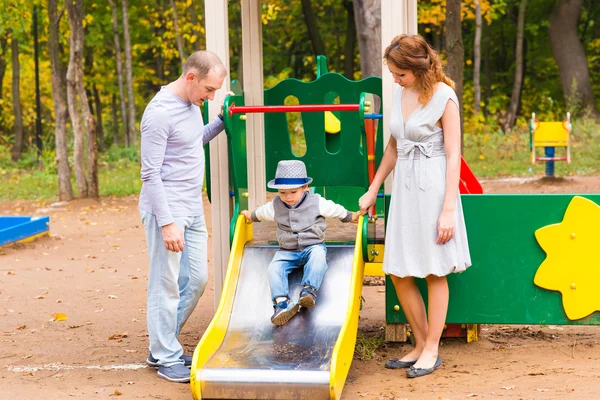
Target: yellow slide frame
(343,351)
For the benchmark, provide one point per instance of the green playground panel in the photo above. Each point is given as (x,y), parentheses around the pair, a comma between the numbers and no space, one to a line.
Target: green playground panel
(339,174)
(238,164)
(339,162)
(498,288)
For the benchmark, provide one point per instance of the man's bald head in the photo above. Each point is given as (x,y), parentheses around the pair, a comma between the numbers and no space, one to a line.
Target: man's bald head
(202,62)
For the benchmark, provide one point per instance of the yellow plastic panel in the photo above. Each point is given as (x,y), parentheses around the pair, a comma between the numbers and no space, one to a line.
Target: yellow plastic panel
(343,351)
(332,123)
(551,134)
(572,253)
(374,269)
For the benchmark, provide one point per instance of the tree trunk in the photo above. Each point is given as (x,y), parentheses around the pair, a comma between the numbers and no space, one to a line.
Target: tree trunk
(570,55)
(350,41)
(99,127)
(178,38)
(3,48)
(94,101)
(477,60)
(511,116)
(89,120)
(129,75)
(115,118)
(16,93)
(487,70)
(367,19)
(313,29)
(455,53)
(92,139)
(74,11)
(195,25)
(115,27)
(65,190)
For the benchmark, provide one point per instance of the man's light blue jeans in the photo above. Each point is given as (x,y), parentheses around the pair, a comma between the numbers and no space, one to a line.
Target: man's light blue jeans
(175,283)
(313,258)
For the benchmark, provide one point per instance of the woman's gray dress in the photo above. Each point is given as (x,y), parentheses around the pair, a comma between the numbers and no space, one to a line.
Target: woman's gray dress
(418,195)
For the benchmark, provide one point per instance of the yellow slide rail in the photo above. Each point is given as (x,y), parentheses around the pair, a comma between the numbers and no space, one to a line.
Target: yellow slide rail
(215,333)
(343,352)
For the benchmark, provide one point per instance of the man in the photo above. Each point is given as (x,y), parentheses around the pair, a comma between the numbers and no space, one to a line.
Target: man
(173,135)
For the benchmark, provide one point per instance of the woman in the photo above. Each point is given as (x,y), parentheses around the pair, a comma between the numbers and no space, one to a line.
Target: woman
(425,235)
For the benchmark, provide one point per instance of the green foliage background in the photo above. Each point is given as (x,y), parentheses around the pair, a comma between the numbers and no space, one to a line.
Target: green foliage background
(287,52)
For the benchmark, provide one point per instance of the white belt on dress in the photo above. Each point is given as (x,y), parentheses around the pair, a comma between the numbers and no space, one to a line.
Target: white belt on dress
(407,149)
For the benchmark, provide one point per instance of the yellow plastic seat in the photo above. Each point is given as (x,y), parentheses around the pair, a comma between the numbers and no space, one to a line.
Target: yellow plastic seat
(550,134)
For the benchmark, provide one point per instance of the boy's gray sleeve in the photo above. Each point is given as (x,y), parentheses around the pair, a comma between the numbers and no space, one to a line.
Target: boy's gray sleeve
(329,209)
(155,129)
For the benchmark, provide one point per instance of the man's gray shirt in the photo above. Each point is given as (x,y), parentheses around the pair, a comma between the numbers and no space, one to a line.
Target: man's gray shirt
(173,136)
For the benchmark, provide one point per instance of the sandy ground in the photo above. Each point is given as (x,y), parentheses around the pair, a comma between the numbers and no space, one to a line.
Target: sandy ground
(94,268)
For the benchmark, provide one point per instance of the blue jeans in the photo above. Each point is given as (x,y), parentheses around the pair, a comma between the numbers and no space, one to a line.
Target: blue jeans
(313,258)
(175,283)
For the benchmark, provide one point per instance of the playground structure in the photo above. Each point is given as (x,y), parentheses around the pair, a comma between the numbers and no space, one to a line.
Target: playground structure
(242,355)
(22,229)
(550,135)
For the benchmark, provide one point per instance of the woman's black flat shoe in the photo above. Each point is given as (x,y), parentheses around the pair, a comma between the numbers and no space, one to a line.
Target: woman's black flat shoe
(397,364)
(417,372)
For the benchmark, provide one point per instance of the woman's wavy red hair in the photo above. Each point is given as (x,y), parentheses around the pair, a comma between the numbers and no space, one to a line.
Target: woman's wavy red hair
(412,52)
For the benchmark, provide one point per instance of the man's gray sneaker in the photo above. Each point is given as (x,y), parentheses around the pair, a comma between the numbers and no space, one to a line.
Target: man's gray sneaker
(153,362)
(175,373)
(187,360)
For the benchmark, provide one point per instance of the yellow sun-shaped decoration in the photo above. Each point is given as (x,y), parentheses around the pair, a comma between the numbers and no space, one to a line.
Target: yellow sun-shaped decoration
(572,264)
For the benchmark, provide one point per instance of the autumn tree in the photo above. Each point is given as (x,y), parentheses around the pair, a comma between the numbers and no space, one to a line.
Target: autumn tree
(570,55)
(82,120)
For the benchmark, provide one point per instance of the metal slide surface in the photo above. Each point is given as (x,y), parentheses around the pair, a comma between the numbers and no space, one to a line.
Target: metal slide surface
(259,360)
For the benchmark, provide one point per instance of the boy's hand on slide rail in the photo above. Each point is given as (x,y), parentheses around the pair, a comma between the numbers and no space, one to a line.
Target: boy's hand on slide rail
(355,216)
(248,215)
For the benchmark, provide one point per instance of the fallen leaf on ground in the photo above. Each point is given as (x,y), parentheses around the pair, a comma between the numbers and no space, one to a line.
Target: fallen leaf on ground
(60,317)
(117,336)
(112,296)
(22,327)
(116,393)
(29,356)
(75,326)
(10,273)
(508,387)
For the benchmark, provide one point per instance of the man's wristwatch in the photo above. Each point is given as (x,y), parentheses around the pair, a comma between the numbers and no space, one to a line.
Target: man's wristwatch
(220,116)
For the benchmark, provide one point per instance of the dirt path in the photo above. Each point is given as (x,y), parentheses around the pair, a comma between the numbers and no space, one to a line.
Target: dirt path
(94,270)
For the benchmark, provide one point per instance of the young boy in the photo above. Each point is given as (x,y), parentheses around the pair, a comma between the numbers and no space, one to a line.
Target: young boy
(300,216)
